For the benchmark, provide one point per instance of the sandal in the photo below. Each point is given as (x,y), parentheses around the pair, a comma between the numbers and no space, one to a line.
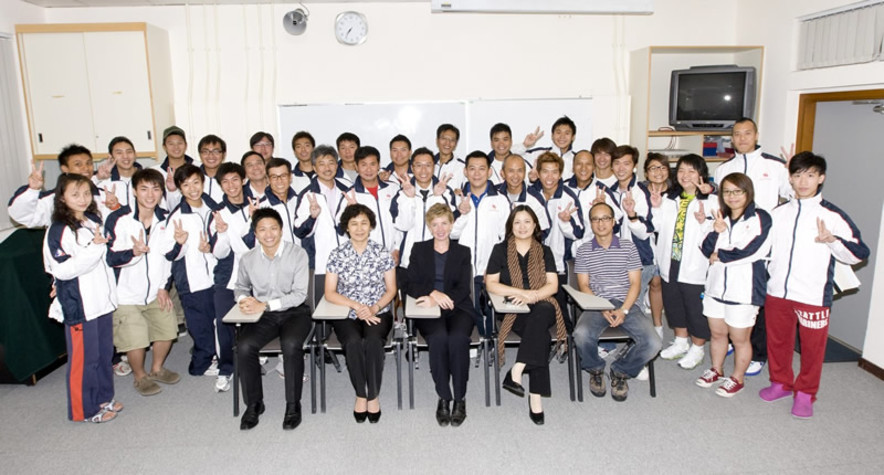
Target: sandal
(104,415)
(112,406)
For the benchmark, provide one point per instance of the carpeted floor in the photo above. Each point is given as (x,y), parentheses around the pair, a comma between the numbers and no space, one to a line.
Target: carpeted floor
(189,428)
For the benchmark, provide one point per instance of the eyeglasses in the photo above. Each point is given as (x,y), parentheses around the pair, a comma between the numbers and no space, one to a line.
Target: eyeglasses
(656,168)
(213,151)
(735,192)
(278,177)
(602,219)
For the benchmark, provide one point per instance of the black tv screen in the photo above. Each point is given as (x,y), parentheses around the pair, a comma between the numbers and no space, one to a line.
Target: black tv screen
(711,97)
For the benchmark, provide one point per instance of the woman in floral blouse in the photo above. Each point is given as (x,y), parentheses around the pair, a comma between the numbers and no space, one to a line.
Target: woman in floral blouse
(361,275)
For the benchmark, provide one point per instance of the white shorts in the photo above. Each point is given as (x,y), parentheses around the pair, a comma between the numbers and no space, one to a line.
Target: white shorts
(734,315)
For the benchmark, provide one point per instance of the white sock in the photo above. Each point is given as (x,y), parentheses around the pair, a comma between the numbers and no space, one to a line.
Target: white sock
(659,331)
(698,348)
(680,341)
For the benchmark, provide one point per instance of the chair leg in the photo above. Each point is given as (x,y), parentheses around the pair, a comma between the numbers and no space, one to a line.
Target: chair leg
(570,369)
(579,376)
(651,378)
(483,346)
(494,360)
(322,378)
(411,352)
(313,378)
(236,371)
(397,348)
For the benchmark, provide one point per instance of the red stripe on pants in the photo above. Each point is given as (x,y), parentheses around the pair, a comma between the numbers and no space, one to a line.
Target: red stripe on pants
(75,371)
(813,330)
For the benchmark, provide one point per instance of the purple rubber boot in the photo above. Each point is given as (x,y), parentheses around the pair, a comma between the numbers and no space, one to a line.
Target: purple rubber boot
(774,392)
(802,407)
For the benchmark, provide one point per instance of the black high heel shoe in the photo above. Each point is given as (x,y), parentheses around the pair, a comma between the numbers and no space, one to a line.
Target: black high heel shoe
(536,417)
(360,416)
(374,417)
(511,385)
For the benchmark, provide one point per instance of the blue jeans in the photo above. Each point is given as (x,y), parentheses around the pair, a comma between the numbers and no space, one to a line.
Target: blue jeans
(639,327)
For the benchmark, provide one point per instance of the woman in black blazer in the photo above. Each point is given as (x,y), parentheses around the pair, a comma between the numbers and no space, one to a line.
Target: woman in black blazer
(440,273)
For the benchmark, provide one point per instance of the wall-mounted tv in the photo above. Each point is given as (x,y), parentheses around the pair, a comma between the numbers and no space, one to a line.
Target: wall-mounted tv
(711,98)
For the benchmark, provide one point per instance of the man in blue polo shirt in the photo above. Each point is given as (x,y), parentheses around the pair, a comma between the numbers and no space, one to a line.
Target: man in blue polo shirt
(610,268)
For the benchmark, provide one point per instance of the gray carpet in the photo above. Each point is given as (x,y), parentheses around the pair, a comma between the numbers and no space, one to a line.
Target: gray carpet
(189,428)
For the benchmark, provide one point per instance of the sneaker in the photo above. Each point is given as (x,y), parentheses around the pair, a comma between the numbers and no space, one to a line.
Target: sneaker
(675,351)
(774,392)
(709,378)
(802,407)
(693,358)
(122,368)
(213,368)
(730,349)
(280,368)
(643,374)
(262,360)
(603,352)
(729,388)
(222,384)
(754,368)
(165,376)
(147,386)
(597,383)
(182,330)
(619,387)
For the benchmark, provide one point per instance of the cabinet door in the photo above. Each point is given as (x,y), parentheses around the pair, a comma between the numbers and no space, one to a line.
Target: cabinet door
(58,88)
(117,67)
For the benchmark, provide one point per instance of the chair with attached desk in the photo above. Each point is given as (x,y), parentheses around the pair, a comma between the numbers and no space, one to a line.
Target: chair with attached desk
(326,341)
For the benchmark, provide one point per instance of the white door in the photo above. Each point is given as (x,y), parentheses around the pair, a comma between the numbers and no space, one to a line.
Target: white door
(117,67)
(58,88)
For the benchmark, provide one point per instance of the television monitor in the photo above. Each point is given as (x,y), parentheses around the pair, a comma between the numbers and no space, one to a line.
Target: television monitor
(711,98)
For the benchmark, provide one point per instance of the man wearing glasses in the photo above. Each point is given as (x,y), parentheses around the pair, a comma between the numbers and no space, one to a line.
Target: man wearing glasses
(610,267)
(212,150)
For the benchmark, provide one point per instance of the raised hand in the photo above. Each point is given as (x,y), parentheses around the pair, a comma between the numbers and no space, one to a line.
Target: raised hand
(700,215)
(465,204)
(104,169)
(532,174)
(110,198)
(315,209)
(99,237)
(565,214)
(170,180)
(719,225)
(406,186)
(658,188)
(704,187)
(599,196)
(35,179)
(220,224)
(253,206)
(138,246)
(787,156)
(532,137)
(204,244)
(384,175)
(824,236)
(180,234)
(629,203)
(442,185)
(350,196)
(656,199)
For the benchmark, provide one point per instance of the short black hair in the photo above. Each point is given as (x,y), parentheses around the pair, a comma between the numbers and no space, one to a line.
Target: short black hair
(303,135)
(624,150)
(807,161)
(119,139)
(603,144)
(448,127)
(71,150)
(227,168)
(263,213)
(257,136)
(422,151)
(478,154)
(365,152)
(186,171)
(606,205)
(743,120)
(322,151)
(245,156)
(278,162)
(400,138)
(565,120)
(210,139)
(348,137)
(353,211)
(149,175)
(498,128)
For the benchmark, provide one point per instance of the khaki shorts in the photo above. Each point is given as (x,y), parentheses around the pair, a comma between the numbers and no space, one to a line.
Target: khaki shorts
(136,326)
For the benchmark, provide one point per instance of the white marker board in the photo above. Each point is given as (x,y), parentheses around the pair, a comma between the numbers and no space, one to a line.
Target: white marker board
(524,116)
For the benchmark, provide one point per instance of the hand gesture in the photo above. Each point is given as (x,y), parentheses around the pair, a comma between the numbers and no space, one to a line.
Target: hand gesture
(98,237)
(465,204)
(656,187)
(315,209)
(787,156)
(458,192)
(599,196)
(628,203)
(442,185)
(824,236)
(104,169)
(565,214)
(164,300)
(180,234)
(700,215)
(251,306)
(532,175)
(170,180)
(138,245)
(350,196)
(532,137)
(406,186)
(204,244)
(704,187)
(441,299)
(719,225)
(35,179)
(253,206)
(110,198)
(384,175)
(656,199)
(220,224)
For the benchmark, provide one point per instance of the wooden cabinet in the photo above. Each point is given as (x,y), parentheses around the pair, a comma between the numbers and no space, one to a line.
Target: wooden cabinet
(88,83)
(650,70)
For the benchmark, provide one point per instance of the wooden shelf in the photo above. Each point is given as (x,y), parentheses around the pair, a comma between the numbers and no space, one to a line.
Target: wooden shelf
(686,133)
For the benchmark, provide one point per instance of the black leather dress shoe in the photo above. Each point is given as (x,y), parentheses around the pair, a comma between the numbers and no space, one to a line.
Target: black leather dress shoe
(512,386)
(536,417)
(360,416)
(443,412)
(250,417)
(459,413)
(292,417)
(374,417)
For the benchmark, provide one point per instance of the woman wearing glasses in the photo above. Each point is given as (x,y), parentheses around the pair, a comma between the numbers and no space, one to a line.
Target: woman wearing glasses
(657,182)
(736,282)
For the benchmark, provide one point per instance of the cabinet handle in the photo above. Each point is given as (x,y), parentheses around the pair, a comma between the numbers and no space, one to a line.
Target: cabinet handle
(148,135)
(40,138)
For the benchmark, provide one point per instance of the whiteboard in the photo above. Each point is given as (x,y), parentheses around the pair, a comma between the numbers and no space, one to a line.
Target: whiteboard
(374,123)
(377,123)
(524,116)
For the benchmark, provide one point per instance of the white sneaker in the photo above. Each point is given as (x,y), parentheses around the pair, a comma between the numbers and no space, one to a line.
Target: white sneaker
(675,351)
(262,360)
(122,368)
(643,374)
(280,368)
(692,358)
(213,368)
(603,353)
(754,368)
(222,384)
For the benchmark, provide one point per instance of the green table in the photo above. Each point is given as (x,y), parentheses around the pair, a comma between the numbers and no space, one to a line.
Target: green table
(29,340)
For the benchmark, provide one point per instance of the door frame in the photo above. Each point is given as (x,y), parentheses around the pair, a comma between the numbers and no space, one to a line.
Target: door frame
(807,110)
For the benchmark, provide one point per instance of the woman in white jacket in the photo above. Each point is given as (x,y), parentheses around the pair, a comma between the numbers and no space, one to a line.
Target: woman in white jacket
(736,246)
(682,218)
(74,253)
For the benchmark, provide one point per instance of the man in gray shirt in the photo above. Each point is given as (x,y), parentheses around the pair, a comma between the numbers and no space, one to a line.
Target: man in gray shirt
(272,281)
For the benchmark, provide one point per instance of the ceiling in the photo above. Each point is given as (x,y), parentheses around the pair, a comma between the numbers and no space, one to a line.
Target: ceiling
(140,3)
